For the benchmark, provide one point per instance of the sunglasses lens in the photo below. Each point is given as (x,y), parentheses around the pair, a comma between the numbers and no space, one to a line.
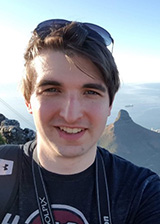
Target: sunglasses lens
(51,23)
(45,28)
(102,32)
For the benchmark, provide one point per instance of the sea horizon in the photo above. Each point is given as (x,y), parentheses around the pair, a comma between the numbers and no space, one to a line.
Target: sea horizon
(141,101)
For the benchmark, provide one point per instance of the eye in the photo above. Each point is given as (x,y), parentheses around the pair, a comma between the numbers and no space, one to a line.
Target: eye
(48,91)
(52,89)
(91,92)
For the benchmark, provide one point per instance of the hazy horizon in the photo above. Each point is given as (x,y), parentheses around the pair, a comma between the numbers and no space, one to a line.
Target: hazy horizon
(145,99)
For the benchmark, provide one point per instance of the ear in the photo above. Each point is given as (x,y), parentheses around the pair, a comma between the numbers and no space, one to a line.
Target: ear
(109,110)
(29,107)
(110,107)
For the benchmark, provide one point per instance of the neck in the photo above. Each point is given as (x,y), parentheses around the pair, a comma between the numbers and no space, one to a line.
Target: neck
(65,165)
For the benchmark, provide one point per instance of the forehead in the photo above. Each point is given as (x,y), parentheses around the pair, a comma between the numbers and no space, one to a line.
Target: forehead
(56,64)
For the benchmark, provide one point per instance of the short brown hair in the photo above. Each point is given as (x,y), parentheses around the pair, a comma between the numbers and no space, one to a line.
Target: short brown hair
(71,39)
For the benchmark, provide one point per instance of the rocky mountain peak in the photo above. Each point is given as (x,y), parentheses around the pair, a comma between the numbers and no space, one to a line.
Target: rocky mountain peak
(129,140)
(123,116)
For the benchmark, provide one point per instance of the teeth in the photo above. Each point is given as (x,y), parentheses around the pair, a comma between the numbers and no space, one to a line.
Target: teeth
(71,130)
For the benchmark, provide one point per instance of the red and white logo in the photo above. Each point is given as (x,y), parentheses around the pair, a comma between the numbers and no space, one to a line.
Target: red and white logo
(63,214)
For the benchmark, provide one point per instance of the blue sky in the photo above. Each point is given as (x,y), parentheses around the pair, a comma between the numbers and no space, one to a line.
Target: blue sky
(134,25)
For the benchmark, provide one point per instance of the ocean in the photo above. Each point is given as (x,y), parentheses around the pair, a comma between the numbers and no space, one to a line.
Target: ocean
(141,101)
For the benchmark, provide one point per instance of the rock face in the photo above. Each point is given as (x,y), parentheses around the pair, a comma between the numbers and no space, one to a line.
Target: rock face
(133,142)
(12,133)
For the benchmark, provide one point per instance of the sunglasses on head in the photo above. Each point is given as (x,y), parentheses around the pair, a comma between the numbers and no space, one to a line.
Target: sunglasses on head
(45,28)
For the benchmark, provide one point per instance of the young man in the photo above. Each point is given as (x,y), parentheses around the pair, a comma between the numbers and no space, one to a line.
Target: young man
(70,83)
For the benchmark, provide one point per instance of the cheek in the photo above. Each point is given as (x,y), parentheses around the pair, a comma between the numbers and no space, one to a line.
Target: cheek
(39,108)
(45,109)
(99,111)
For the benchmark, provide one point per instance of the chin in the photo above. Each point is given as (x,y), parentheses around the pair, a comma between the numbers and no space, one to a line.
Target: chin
(70,151)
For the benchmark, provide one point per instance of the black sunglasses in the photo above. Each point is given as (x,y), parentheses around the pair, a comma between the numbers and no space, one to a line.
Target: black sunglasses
(44,29)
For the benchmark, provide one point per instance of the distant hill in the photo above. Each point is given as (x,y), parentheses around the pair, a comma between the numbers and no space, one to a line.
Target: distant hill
(133,142)
(12,133)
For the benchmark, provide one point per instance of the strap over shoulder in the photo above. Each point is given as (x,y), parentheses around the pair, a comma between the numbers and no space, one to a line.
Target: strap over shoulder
(10,160)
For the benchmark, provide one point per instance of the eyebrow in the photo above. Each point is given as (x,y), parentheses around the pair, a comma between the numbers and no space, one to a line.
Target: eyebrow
(95,86)
(48,82)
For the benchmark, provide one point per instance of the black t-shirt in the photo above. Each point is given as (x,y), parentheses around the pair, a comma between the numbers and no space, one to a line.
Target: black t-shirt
(134,194)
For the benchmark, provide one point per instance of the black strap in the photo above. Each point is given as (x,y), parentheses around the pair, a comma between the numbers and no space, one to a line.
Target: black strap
(11,156)
(44,206)
(103,201)
(41,193)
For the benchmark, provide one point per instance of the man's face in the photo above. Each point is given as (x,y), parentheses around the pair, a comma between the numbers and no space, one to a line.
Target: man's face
(70,104)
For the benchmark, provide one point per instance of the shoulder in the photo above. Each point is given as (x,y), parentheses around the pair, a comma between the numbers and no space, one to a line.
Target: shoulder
(8,147)
(124,170)
(14,152)
(10,151)
(134,189)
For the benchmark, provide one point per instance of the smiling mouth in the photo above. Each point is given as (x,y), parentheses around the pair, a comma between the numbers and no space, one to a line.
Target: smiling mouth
(71,130)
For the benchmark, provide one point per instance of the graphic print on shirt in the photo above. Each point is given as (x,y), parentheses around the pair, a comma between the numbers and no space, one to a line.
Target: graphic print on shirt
(6,167)
(63,214)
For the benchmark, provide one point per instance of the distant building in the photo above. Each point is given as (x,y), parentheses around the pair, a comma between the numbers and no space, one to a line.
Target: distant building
(155,130)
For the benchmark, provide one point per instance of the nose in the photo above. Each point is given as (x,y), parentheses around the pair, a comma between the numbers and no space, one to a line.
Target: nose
(72,109)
